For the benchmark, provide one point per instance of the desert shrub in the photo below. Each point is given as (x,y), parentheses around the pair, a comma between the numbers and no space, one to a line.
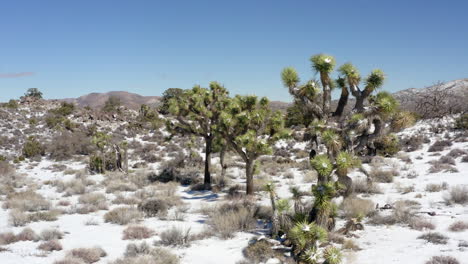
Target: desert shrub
(48,216)
(154,207)
(439,145)
(175,237)
(412,143)
(32,148)
(123,215)
(462,122)
(12,104)
(134,249)
(401,214)
(8,238)
(88,255)
(18,218)
(137,232)
(120,186)
(258,251)
(442,260)
(456,152)
(144,254)
(447,160)
(361,185)
(354,207)
(70,260)
(351,245)
(464,158)
(380,175)
(458,226)
(66,144)
(51,234)
(72,187)
(26,201)
(96,199)
(420,224)
(435,187)
(434,238)
(65,109)
(230,218)
(458,195)
(387,145)
(27,234)
(52,245)
(438,166)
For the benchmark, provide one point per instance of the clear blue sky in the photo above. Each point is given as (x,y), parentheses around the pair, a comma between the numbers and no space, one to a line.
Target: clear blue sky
(71,48)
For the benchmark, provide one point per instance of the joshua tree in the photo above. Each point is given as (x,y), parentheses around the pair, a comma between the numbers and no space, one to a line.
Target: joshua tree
(197,112)
(341,134)
(250,127)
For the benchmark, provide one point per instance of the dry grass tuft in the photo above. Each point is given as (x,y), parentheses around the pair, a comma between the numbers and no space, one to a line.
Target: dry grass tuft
(123,215)
(137,232)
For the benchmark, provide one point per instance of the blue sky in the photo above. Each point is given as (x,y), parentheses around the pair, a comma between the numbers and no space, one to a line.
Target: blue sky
(71,48)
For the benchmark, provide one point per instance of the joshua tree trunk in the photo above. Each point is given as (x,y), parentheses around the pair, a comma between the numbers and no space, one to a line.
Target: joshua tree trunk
(249,170)
(126,159)
(326,95)
(222,155)
(208,149)
(342,102)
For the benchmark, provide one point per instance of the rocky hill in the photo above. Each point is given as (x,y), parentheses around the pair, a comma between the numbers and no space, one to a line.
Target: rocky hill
(130,100)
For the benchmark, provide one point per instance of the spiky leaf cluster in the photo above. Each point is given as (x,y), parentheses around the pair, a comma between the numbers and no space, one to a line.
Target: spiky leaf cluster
(346,160)
(307,235)
(375,79)
(323,194)
(290,77)
(332,140)
(332,255)
(351,72)
(322,165)
(385,102)
(323,63)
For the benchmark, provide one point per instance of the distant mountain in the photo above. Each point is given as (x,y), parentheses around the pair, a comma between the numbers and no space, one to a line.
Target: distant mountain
(130,100)
(459,91)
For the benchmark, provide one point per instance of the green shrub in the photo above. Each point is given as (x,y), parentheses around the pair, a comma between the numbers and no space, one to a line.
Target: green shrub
(387,145)
(462,122)
(13,104)
(65,109)
(53,121)
(32,148)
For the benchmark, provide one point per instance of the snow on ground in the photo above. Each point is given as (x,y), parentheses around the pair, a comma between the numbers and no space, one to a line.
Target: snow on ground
(379,244)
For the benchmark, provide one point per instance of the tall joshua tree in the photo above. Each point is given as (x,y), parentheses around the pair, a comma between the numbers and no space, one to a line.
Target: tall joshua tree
(250,127)
(197,112)
(340,134)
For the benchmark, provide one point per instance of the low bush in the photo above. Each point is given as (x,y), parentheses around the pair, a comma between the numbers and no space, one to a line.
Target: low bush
(18,218)
(52,245)
(354,207)
(175,237)
(232,217)
(137,232)
(154,207)
(434,238)
(439,145)
(32,148)
(123,215)
(51,234)
(88,255)
(26,201)
(421,224)
(259,251)
(27,234)
(442,260)
(8,238)
(458,226)
(380,175)
(387,145)
(457,195)
(462,122)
